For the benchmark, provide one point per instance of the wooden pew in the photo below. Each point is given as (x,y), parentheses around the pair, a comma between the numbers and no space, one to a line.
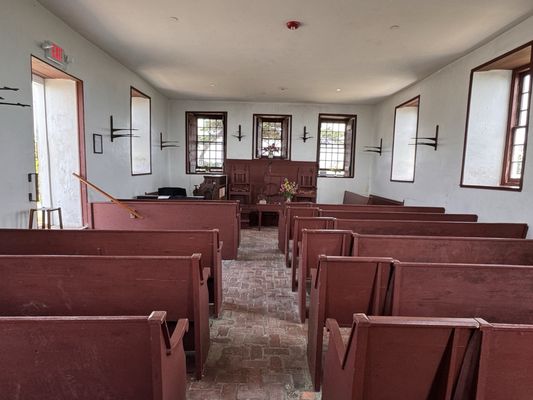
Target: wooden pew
(378,200)
(496,293)
(397,358)
(433,228)
(89,358)
(110,286)
(410,216)
(300,223)
(445,249)
(340,287)
(286,218)
(174,215)
(123,243)
(505,363)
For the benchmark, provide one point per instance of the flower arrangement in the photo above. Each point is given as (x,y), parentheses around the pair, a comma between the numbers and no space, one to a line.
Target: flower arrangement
(288,189)
(270,150)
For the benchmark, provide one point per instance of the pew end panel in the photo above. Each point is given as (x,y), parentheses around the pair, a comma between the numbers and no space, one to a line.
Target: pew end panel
(315,243)
(340,287)
(417,358)
(121,357)
(301,223)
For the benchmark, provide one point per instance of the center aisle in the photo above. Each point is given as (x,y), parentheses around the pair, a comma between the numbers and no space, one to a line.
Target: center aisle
(258,349)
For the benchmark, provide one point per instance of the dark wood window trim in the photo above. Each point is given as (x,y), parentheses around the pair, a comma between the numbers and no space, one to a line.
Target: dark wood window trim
(481,68)
(514,114)
(191,137)
(349,149)
(286,120)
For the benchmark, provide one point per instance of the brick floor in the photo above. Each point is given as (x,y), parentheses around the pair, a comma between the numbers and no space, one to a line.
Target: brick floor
(258,346)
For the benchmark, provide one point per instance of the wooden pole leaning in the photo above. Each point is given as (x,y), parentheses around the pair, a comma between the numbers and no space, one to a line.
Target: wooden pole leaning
(114,200)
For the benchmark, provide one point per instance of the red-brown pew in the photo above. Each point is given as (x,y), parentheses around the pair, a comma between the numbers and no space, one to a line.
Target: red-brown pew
(110,286)
(122,243)
(387,215)
(89,358)
(398,358)
(174,215)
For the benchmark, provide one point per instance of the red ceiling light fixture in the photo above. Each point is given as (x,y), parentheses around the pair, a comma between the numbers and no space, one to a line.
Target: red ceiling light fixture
(293,25)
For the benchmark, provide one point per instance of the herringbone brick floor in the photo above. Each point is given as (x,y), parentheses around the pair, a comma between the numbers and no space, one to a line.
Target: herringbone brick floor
(258,346)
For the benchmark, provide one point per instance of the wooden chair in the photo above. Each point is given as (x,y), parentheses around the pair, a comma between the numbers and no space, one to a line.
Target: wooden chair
(240,183)
(400,358)
(306,181)
(46,217)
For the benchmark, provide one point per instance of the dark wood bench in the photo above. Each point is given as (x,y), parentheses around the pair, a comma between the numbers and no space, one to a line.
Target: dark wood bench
(340,287)
(109,286)
(123,243)
(506,362)
(433,228)
(387,215)
(445,249)
(288,222)
(174,215)
(89,358)
(397,358)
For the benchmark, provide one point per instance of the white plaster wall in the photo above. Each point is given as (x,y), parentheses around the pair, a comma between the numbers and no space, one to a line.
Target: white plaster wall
(330,190)
(444,97)
(487,123)
(24,24)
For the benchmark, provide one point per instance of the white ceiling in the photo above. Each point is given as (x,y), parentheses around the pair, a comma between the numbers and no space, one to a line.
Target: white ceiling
(241,49)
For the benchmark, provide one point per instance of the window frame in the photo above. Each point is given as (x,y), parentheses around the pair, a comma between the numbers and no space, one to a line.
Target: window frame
(204,114)
(514,188)
(415,144)
(327,117)
(285,119)
(134,90)
(513,116)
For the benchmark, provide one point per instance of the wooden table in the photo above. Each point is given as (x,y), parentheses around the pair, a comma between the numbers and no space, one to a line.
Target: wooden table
(261,208)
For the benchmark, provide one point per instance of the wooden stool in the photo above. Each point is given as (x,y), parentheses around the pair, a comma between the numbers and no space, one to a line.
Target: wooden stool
(46,214)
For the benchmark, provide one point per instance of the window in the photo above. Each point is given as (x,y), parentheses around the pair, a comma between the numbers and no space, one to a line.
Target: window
(404,140)
(497,122)
(336,149)
(272,136)
(140,140)
(206,142)
(518,123)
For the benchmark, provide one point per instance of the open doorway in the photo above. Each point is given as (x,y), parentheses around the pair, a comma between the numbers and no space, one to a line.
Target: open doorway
(59,143)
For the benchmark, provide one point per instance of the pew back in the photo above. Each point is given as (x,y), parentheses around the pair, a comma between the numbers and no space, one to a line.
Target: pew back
(301,223)
(433,228)
(410,216)
(496,293)
(107,286)
(174,215)
(122,243)
(91,358)
(445,249)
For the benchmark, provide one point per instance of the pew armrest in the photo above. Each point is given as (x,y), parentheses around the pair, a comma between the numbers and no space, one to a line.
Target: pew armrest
(335,340)
(177,335)
(206,273)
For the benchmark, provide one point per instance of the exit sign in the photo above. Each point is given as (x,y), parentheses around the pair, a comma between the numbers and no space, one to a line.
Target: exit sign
(55,53)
